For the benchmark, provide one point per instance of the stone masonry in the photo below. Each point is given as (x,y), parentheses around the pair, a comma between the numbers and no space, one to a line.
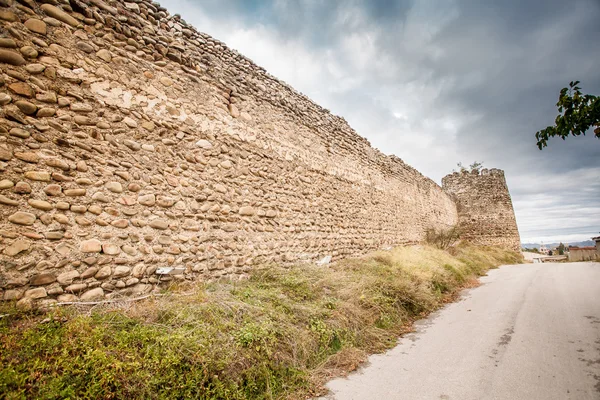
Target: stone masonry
(136,150)
(485,210)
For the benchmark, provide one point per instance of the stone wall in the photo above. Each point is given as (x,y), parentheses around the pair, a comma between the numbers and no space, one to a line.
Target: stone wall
(485,210)
(576,254)
(136,150)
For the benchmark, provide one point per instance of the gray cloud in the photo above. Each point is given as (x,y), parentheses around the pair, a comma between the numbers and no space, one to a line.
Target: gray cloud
(440,82)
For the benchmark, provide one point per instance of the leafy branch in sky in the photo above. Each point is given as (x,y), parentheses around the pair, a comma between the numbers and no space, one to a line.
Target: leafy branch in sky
(578,112)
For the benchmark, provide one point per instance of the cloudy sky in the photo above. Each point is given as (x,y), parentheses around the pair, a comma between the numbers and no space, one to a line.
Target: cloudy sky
(439,82)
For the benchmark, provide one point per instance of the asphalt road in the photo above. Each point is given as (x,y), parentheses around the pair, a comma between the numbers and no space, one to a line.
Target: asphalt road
(528,332)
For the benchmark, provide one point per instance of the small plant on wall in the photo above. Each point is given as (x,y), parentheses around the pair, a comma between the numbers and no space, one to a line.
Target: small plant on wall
(475,167)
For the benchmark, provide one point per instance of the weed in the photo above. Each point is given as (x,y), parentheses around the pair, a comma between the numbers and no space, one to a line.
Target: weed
(443,238)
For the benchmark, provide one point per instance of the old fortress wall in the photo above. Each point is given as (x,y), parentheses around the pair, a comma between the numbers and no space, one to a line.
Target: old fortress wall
(485,209)
(132,144)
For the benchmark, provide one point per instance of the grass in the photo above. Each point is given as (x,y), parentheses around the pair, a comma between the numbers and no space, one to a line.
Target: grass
(280,334)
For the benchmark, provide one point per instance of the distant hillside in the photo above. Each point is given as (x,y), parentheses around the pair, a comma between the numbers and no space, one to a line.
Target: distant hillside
(551,245)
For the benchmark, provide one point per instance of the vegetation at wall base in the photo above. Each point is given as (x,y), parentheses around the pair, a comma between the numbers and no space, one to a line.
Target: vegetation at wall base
(443,239)
(280,334)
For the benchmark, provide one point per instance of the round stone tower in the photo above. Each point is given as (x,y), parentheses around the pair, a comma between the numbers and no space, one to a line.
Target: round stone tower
(485,210)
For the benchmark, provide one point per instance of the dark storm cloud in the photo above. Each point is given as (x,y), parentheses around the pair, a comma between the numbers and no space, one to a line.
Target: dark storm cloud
(525,53)
(385,10)
(440,82)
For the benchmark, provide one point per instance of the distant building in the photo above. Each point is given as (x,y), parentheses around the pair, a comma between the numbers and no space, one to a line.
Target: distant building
(587,253)
(543,249)
(597,240)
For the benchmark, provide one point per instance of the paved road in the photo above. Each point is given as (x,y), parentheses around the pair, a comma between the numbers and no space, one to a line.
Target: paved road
(528,332)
